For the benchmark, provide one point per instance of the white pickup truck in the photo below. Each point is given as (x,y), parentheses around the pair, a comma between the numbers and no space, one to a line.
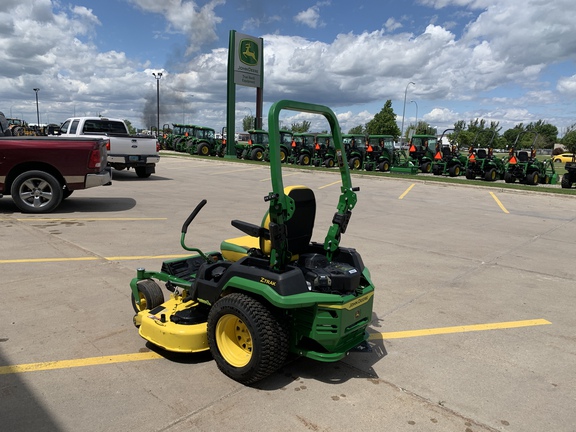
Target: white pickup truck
(124,150)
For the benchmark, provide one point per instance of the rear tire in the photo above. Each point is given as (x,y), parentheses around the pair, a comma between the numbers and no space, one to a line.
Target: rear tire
(565,182)
(204,150)
(426,167)
(454,171)
(142,172)
(246,340)
(36,192)
(533,178)
(257,155)
(509,178)
(384,166)
(490,175)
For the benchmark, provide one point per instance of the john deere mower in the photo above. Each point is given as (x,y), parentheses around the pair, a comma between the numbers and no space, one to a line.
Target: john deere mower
(421,151)
(526,168)
(268,293)
(447,158)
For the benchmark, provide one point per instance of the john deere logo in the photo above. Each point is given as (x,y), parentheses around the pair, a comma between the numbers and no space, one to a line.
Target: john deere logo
(249,52)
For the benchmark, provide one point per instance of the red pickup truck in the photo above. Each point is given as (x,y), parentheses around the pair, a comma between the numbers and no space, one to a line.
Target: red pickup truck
(39,172)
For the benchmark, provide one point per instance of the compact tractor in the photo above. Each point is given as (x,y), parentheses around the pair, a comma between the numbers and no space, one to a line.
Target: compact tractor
(421,153)
(355,146)
(257,146)
(269,293)
(302,149)
(483,164)
(203,142)
(379,153)
(323,151)
(447,158)
(525,167)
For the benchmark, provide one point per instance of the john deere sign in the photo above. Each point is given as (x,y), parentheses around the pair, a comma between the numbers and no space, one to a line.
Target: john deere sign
(248,61)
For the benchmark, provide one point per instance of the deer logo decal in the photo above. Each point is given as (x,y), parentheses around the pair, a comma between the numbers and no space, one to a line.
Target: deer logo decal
(249,52)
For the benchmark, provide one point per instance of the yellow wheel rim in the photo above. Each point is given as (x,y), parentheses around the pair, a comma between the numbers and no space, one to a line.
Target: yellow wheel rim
(142,306)
(234,340)
(205,150)
(282,156)
(356,164)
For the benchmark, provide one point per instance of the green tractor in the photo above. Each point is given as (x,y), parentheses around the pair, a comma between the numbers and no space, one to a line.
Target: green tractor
(420,151)
(324,154)
(483,164)
(524,166)
(447,159)
(379,153)
(257,145)
(177,139)
(270,293)
(302,149)
(203,142)
(355,145)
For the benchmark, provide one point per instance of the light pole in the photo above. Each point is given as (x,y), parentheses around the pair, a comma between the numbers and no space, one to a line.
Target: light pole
(416,122)
(157,75)
(404,112)
(36,90)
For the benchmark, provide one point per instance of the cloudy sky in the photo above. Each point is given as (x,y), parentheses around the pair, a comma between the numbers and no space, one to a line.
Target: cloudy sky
(508,61)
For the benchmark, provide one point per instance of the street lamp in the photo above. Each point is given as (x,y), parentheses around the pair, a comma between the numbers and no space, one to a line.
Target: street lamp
(416,122)
(157,75)
(404,112)
(37,110)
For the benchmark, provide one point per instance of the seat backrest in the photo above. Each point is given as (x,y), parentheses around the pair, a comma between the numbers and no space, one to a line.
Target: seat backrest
(300,226)
(481,153)
(523,156)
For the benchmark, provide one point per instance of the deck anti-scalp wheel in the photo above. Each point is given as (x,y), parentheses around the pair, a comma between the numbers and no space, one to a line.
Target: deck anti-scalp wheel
(150,295)
(246,340)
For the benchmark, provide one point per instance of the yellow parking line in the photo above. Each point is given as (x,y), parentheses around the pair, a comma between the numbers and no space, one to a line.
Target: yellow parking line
(499,203)
(459,329)
(114,258)
(331,184)
(123,358)
(66,364)
(406,191)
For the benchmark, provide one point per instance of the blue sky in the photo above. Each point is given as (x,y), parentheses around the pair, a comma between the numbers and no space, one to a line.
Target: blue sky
(508,61)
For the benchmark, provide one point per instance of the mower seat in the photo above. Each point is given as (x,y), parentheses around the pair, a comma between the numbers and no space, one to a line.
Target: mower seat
(299,229)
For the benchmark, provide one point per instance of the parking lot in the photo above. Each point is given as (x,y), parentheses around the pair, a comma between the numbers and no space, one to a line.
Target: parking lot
(473,324)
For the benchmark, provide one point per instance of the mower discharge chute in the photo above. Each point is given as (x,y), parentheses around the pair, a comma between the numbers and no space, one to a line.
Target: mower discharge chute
(269,293)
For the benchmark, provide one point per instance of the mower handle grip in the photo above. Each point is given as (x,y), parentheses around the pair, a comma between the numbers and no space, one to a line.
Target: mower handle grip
(193,215)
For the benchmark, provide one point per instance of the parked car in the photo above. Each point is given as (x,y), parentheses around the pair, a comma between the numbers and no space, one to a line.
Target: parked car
(563,158)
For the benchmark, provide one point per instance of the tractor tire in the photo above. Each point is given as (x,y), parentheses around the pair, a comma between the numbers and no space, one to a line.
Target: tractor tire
(533,178)
(509,178)
(203,149)
(142,172)
(36,192)
(426,167)
(248,342)
(304,160)
(454,170)
(283,156)
(384,166)
(470,175)
(355,163)
(257,155)
(329,163)
(436,170)
(490,175)
(150,293)
(565,182)
(369,166)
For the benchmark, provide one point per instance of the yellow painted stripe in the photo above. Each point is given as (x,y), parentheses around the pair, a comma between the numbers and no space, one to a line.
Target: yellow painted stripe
(499,203)
(406,191)
(80,219)
(66,364)
(331,184)
(123,358)
(459,329)
(117,258)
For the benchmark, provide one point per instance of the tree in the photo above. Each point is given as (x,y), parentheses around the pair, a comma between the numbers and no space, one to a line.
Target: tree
(248,122)
(358,130)
(301,127)
(569,139)
(384,123)
(131,129)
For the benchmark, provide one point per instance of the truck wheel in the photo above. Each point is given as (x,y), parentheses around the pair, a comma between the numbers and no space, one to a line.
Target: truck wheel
(142,172)
(246,340)
(36,192)
(150,294)
(204,150)
(257,154)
